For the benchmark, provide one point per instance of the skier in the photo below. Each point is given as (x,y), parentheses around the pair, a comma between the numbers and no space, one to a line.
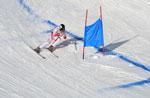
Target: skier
(54,38)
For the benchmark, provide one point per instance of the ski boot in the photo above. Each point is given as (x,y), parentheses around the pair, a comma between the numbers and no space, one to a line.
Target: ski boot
(51,48)
(38,50)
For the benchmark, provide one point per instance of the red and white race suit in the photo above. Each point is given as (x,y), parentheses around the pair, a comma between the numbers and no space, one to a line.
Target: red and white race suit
(54,39)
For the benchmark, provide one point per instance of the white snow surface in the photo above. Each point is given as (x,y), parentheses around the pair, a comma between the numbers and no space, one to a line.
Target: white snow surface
(24,74)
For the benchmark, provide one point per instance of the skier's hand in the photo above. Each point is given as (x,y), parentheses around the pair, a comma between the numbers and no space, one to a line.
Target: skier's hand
(65,37)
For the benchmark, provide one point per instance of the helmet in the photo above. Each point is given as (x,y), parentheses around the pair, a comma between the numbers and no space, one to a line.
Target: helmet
(62,27)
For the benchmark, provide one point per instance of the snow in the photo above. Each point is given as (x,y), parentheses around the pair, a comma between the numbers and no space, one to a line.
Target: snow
(125,73)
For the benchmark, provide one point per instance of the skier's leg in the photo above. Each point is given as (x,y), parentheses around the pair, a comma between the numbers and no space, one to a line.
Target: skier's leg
(53,44)
(51,47)
(45,45)
(57,42)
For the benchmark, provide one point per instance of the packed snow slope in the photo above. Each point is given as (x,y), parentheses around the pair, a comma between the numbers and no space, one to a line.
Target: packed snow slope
(123,74)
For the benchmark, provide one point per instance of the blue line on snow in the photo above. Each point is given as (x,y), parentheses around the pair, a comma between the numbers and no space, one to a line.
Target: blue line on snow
(126,59)
(138,83)
(50,22)
(130,61)
(29,10)
(25,6)
(128,85)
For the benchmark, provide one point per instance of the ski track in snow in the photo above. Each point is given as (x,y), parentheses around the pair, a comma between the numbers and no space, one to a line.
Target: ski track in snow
(81,80)
(29,10)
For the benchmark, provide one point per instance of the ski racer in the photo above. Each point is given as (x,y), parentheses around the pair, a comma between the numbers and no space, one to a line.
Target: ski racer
(55,37)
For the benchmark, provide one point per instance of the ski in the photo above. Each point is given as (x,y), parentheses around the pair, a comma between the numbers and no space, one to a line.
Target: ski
(37,53)
(42,55)
(54,54)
